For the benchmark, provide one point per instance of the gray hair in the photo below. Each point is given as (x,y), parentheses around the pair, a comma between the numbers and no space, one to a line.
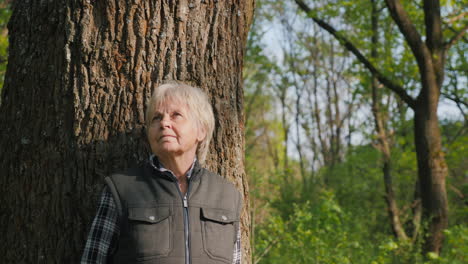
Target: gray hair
(198,105)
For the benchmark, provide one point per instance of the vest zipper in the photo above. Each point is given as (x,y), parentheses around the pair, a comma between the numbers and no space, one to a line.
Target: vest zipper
(186,219)
(186,231)
(188,259)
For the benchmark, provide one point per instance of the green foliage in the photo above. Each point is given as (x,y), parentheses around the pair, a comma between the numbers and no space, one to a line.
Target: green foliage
(456,250)
(322,231)
(455,139)
(313,233)
(358,186)
(456,245)
(5,14)
(338,213)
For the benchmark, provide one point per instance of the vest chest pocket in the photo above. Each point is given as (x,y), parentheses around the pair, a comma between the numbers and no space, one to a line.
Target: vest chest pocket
(219,233)
(150,231)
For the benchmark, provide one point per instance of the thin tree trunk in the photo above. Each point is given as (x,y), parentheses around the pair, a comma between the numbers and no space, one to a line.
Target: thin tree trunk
(329,160)
(73,107)
(337,116)
(298,137)
(384,147)
(384,144)
(285,125)
(316,113)
(417,212)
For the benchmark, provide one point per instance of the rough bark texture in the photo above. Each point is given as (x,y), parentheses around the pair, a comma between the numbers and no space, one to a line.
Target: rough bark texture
(75,93)
(432,171)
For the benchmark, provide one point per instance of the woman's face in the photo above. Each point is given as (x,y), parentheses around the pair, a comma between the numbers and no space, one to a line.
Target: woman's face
(173,132)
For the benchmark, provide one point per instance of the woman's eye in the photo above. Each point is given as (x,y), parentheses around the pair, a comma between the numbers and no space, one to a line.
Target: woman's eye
(157,117)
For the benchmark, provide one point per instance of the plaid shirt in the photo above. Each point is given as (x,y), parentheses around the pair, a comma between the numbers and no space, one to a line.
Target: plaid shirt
(104,234)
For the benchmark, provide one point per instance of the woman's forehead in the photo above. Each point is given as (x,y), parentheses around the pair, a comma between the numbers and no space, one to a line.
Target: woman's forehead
(170,104)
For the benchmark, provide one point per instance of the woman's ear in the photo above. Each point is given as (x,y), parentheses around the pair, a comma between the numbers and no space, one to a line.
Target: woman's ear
(201,134)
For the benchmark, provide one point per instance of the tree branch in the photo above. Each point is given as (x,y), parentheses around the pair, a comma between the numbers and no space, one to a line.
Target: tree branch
(433,23)
(457,17)
(399,90)
(454,39)
(455,99)
(406,27)
(459,102)
(420,50)
(276,240)
(457,191)
(456,32)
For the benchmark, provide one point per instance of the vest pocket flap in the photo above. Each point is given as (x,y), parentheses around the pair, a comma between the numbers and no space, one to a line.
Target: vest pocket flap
(219,215)
(149,215)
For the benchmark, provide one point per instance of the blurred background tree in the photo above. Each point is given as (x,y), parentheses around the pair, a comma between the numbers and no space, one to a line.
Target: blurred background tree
(324,133)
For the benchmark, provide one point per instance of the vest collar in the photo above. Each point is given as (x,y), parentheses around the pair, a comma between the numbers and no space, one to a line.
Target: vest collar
(158,166)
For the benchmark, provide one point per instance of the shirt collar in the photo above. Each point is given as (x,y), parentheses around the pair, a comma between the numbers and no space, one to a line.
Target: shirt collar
(154,162)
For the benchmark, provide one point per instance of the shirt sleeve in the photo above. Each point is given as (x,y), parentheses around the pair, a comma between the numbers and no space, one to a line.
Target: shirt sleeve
(104,233)
(237,250)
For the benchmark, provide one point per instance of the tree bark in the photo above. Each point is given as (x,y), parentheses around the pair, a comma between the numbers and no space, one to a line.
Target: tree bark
(73,105)
(432,171)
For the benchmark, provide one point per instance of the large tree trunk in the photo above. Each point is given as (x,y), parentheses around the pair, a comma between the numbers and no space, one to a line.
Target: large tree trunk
(73,107)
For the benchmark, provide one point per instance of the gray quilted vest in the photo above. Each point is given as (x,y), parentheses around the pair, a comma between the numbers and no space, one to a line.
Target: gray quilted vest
(157,225)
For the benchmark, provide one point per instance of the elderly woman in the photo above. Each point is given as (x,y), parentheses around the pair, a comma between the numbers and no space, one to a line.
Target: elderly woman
(170,209)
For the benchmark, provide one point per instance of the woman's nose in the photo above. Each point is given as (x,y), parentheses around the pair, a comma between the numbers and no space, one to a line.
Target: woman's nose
(165,122)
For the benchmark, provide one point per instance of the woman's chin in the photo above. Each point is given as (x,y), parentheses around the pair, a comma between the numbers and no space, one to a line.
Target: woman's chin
(167,151)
